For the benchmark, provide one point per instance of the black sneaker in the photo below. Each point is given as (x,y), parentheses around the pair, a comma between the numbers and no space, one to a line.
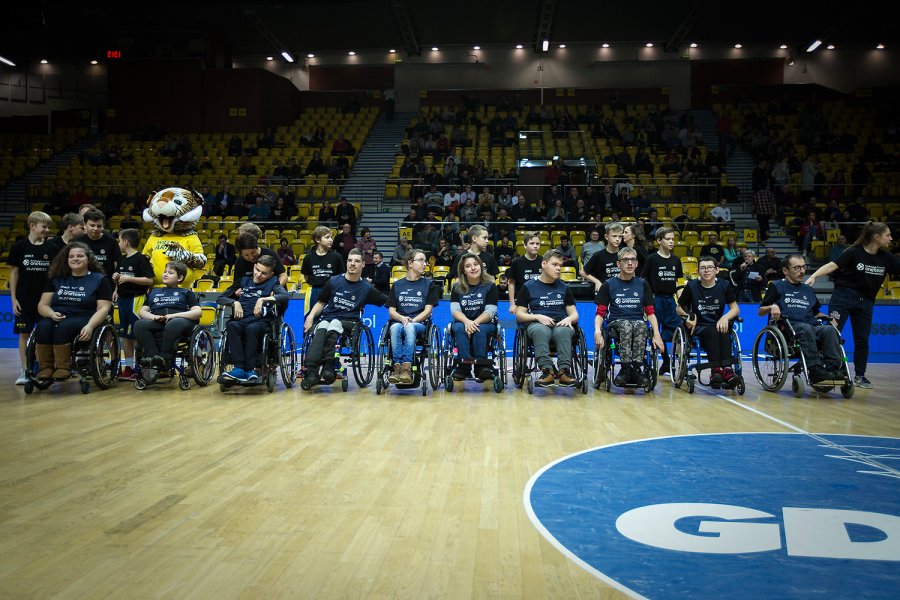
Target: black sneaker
(485,373)
(312,376)
(715,380)
(861,382)
(328,375)
(623,377)
(837,374)
(664,367)
(640,378)
(818,374)
(462,372)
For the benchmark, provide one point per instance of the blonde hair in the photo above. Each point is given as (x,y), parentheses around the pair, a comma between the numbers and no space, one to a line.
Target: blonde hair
(39,217)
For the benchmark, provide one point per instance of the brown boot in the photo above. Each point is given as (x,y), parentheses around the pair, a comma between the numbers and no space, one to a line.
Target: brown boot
(394,376)
(547,377)
(44,355)
(406,376)
(62,358)
(565,378)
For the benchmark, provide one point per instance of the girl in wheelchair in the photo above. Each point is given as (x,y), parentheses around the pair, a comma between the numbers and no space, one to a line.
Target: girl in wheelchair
(251,319)
(624,300)
(169,312)
(410,303)
(473,304)
(76,300)
(704,302)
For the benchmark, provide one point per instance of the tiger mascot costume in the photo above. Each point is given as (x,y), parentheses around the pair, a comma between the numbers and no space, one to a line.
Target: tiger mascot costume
(174,213)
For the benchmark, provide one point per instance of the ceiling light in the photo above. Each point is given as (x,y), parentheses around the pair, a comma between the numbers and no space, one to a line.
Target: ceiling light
(93,62)
(476,47)
(880,46)
(783,46)
(562,45)
(830,47)
(393,51)
(270,58)
(546,45)
(693,44)
(649,44)
(352,53)
(43,61)
(814,45)
(310,55)
(6,61)
(738,45)
(518,46)
(287,56)
(434,48)
(605,45)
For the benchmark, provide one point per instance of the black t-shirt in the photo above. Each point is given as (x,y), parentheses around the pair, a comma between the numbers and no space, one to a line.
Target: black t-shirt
(709,304)
(662,273)
(625,299)
(244,268)
(797,301)
(546,299)
(713,250)
(603,265)
(166,300)
(136,265)
(78,296)
(642,259)
(409,298)
(32,260)
(106,251)
(318,269)
(523,269)
(472,303)
(864,272)
(343,299)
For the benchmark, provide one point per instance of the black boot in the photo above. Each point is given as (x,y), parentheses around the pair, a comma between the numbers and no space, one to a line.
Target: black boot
(623,377)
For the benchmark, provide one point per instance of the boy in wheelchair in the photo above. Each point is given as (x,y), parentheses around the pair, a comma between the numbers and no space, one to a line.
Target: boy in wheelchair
(168,313)
(251,318)
(796,301)
(339,304)
(703,302)
(546,308)
(624,300)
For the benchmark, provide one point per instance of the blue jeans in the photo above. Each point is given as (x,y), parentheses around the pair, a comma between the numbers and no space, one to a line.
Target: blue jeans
(476,347)
(403,340)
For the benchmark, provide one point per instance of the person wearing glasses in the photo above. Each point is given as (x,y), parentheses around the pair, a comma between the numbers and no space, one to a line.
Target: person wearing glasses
(792,299)
(710,305)
(624,300)
(409,306)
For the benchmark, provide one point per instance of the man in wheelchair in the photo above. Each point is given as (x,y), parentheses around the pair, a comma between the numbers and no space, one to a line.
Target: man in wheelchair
(624,300)
(339,304)
(251,318)
(703,302)
(546,307)
(796,301)
(169,313)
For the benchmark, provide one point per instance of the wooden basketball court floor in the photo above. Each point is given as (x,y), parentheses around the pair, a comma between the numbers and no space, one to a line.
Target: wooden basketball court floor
(200,494)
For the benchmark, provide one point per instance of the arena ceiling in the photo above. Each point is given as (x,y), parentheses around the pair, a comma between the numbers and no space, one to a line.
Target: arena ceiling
(70,31)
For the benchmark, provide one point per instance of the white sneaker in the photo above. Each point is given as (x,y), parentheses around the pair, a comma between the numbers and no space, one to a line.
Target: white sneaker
(22,380)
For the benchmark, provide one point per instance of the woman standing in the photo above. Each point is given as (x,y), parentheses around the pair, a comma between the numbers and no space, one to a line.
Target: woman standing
(633,237)
(366,244)
(861,270)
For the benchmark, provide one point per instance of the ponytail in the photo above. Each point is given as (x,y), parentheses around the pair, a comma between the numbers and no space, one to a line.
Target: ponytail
(869,231)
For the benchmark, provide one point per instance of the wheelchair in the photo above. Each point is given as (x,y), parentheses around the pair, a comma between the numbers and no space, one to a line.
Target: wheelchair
(278,352)
(496,353)
(356,347)
(426,359)
(605,361)
(195,356)
(97,360)
(685,347)
(774,348)
(525,362)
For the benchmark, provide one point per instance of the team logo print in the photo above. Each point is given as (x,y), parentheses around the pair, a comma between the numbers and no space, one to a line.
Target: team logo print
(860,267)
(80,289)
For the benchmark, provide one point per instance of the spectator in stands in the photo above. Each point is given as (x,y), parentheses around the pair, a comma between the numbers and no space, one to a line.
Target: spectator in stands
(345,242)
(450,233)
(859,177)
(838,248)
(286,253)
(346,214)
(79,198)
(746,275)
(452,199)
(714,249)
(504,251)
(468,194)
(506,200)
(469,212)
(764,207)
(281,210)
(557,212)
(836,188)
(336,171)
(451,171)
(579,213)
(770,265)
(225,256)
(591,246)
(316,165)
(245,165)
(731,250)
(571,199)
(327,216)
(259,211)
(367,245)
(642,162)
(235,146)
(381,274)
(443,254)
(721,214)
(781,172)
(810,230)
(400,252)
(567,251)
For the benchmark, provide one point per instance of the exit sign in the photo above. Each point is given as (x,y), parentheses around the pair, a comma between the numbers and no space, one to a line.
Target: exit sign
(113,54)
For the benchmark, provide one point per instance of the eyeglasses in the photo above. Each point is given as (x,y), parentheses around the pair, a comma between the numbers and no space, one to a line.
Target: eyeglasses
(797,267)
(421,260)
(707,268)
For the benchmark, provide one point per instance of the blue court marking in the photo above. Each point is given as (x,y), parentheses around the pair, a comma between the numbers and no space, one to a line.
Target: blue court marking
(736,515)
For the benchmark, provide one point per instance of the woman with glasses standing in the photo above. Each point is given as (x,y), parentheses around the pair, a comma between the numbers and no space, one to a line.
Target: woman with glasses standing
(861,270)
(409,306)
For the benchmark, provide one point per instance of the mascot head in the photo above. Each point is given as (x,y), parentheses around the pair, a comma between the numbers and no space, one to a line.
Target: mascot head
(174,210)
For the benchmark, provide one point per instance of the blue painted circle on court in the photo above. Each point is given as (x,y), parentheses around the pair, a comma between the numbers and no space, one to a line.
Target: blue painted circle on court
(745,515)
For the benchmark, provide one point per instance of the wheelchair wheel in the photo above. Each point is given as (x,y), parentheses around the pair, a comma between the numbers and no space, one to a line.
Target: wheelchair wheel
(434,362)
(383,360)
(679,360)
(847,389)
(653,366)
(104,356)
(203,356)
(520,360)
(741,386)
(184,382)
(770,359)
(599,368)
(271,378)
(32,367)
(608,365)
(500,354)
(736,352)
(363,356)
(288,356)
(85,386)
(580,361)
(797,385)
(224,359)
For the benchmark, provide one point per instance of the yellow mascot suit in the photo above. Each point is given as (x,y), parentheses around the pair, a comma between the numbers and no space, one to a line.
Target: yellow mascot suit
(174,213)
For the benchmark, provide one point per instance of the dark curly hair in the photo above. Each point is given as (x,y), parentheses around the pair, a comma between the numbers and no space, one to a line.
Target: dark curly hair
(59,266)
